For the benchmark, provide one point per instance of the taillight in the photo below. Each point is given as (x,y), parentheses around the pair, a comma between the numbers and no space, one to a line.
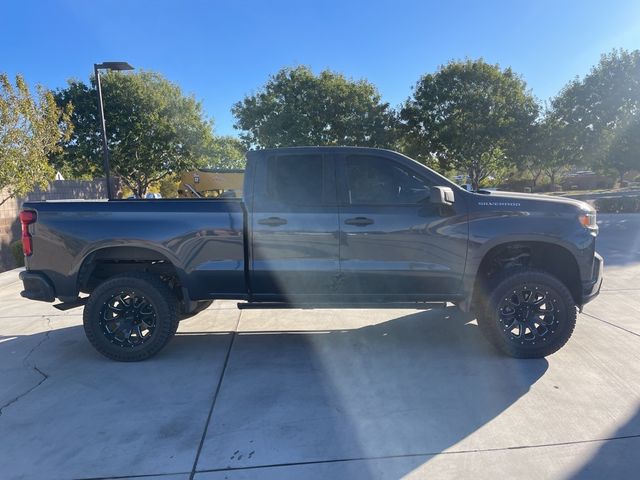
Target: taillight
(27,217)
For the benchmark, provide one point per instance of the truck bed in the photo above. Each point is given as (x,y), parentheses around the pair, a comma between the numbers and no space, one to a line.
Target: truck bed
(203,239)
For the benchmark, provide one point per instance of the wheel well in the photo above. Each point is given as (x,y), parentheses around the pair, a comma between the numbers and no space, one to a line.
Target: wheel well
(554,259)
(107,262)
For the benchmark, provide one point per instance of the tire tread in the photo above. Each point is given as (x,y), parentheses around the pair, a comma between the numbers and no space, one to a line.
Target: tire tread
(488,324)
(166,328)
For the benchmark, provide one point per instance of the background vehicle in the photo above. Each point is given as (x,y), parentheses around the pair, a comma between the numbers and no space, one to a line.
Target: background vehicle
(318,227)
(212,182)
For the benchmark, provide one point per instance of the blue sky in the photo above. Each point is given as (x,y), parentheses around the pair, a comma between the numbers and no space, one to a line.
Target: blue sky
(220,51)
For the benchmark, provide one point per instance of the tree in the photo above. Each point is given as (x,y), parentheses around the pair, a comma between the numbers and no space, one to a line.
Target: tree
(153,129)
(227,152)
(556,148)
(551,150)
(601,111)
(30,129)
(296,107)
(623,152)
(471,116)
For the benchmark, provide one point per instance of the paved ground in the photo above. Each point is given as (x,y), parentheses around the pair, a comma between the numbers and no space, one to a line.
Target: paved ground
(326,394)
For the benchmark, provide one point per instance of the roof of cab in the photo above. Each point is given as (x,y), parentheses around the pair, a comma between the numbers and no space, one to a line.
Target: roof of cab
(316,150)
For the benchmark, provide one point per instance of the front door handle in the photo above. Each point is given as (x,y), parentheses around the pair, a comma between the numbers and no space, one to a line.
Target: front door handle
(359,221)
(272,221)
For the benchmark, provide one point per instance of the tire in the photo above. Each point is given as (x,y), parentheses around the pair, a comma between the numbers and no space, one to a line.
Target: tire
(528,314)
(130,317)
(202,305)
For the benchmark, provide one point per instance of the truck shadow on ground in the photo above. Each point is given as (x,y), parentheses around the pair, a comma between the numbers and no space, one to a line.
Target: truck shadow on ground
(416,384)
(409,386)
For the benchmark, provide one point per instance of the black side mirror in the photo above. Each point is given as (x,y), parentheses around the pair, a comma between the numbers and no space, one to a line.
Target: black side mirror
(442,196)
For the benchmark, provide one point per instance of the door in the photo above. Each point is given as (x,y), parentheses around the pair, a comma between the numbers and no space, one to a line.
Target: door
(395,244)
(294,226)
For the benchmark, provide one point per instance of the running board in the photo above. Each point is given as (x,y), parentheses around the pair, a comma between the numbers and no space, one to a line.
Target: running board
(64,306)
(313,306)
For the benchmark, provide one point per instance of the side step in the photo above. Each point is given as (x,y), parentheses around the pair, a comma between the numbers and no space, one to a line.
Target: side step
(64,306)
(313,306)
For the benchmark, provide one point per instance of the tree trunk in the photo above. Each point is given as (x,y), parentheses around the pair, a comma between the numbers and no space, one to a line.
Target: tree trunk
(536,177)
(474,177)
(141,190)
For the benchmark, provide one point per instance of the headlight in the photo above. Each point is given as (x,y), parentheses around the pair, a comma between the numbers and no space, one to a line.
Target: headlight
(588,220)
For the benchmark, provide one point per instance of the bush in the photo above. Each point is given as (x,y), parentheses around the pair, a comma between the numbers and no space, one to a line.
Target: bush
(516,185)
(18,254)
(618,205)
(587,182)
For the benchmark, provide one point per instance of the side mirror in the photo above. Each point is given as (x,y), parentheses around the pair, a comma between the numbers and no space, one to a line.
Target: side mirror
(442,196)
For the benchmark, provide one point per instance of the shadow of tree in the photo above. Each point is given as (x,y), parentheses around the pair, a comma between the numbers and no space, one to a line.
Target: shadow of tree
(617,457)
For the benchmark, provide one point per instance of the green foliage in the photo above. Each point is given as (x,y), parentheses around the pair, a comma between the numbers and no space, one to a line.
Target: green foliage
(168,186)
(471,116)
(555,149)
(623,146)
(153,129)
(618,205)
(17,253)
(296,107)
(227,152)
(30,129)
(602,112)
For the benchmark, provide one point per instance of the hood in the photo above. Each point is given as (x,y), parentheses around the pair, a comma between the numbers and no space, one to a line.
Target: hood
(517,197)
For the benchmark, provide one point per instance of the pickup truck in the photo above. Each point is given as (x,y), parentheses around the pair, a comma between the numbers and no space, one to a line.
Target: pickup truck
(318,227)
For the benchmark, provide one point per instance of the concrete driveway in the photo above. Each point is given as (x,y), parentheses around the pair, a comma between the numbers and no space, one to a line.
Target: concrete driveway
(327,393)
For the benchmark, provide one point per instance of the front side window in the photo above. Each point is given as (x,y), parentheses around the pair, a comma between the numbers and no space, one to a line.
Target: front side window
(295,179)
(378,181)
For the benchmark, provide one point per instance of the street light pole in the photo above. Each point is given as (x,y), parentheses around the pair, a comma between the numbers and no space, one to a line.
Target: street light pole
(103,129)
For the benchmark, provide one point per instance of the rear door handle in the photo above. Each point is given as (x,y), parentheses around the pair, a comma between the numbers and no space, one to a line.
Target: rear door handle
(359,221)
(272,221)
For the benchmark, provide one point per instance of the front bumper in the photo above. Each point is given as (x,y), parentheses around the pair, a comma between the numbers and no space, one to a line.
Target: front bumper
(591,288)
(37,287)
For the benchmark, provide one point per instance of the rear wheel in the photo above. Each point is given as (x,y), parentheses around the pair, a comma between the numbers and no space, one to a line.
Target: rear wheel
(130,317)
(528,314)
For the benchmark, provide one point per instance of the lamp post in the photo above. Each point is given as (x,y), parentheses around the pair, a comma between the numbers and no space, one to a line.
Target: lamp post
(105,148)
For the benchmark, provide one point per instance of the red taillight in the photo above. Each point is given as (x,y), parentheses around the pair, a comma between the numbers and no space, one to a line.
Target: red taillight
(27,217)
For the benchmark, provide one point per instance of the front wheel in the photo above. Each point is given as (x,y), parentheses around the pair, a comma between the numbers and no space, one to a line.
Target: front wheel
(130,317)
(528,314)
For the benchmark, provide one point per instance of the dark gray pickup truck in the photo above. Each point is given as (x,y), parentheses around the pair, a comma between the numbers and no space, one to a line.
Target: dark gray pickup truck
(318,227)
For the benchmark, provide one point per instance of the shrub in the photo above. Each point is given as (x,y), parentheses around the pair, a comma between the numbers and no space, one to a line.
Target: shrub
(18,254)
(516,185)
(618,205)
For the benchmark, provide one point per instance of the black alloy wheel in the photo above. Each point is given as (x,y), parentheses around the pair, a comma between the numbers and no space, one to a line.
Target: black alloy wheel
(527,313)
(131,317)
(128,319)
(530,314)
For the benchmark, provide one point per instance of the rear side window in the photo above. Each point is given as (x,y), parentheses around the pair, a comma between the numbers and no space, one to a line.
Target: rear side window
(295,179)
(377,181)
